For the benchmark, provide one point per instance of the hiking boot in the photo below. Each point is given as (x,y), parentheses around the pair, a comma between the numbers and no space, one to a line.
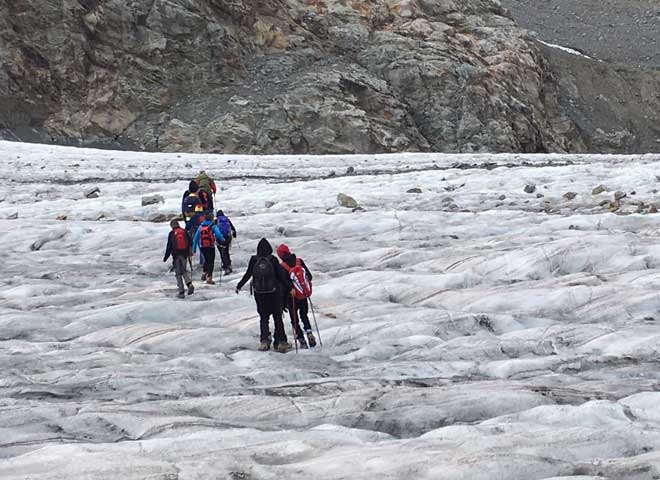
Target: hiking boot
(283,347)
(302,343)
(264,346)
(228,271)
(181,294)
(191,289)
(311,339)
(209,281)
(204,277)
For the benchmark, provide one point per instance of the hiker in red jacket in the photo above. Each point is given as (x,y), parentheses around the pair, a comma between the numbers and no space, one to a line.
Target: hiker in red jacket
(297,304)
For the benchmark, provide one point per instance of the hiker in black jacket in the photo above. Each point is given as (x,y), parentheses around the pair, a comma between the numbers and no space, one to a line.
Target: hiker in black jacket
(178,246)
(269,282)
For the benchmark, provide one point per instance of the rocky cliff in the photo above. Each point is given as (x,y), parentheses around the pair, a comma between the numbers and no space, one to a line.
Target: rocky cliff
(278,76)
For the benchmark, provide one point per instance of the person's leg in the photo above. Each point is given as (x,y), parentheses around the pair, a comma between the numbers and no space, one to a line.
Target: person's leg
(264,316)
(295,320)
(227,255)
(221,248)
(303,311)
(276,312)
(179,273)
(187,275)
(209,262)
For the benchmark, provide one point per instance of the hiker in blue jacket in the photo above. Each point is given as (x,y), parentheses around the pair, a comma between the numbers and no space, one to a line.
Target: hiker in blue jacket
(228,231)
(206,237)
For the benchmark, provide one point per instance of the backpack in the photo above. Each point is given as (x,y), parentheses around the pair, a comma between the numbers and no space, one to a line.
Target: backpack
(263,275)
(224,226)
(191,205)
(205,183)
(204,200)
(180,241)
(206,237)
(298,276)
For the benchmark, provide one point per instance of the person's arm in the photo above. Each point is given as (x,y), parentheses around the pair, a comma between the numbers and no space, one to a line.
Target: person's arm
(233,229)
(282,275)
(168,249)
(309,274)
(247,275)
(196,239)
(183,204)
(219,237)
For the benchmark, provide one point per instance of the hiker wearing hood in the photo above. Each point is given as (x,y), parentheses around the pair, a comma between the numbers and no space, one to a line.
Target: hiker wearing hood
(207,235)
(269,283)
(297,303)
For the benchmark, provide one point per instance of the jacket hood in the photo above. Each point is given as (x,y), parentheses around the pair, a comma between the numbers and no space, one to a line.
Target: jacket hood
(283,251)
(220,213)
(264,248)
(192,186)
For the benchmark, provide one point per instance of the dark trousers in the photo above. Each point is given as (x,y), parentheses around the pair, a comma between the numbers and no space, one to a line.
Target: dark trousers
(224,253)
(209,260)
(269,304)
(301,310)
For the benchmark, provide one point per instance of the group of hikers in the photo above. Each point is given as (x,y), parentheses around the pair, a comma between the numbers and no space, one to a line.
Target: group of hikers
(277,285)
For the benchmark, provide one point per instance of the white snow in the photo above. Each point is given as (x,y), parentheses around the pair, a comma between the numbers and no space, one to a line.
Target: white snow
(464,336)
(567,50)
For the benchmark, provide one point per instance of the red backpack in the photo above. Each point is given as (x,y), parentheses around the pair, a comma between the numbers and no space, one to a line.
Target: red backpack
(180,241)
(206,237)
(301,283)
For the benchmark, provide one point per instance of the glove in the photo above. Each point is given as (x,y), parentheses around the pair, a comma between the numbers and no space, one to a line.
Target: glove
(238,290)
(233,234)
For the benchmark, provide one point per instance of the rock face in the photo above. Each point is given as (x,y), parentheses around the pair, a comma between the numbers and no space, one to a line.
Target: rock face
(626,32)
(615,107)
(277,76)
(152,200)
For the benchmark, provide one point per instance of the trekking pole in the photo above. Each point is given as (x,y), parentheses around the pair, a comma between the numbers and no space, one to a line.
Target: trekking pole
(315,323)
(294,324)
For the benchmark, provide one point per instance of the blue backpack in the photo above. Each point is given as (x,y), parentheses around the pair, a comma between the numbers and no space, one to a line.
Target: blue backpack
(224,226)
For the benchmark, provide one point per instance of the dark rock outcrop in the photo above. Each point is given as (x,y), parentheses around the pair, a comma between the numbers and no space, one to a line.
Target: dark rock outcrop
(616,108)
(309,76)
(276,76)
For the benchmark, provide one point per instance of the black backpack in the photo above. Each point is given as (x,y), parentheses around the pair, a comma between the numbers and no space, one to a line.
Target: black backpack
(264,276)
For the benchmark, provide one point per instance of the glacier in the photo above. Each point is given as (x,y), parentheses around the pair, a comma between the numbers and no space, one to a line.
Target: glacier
(471,331)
